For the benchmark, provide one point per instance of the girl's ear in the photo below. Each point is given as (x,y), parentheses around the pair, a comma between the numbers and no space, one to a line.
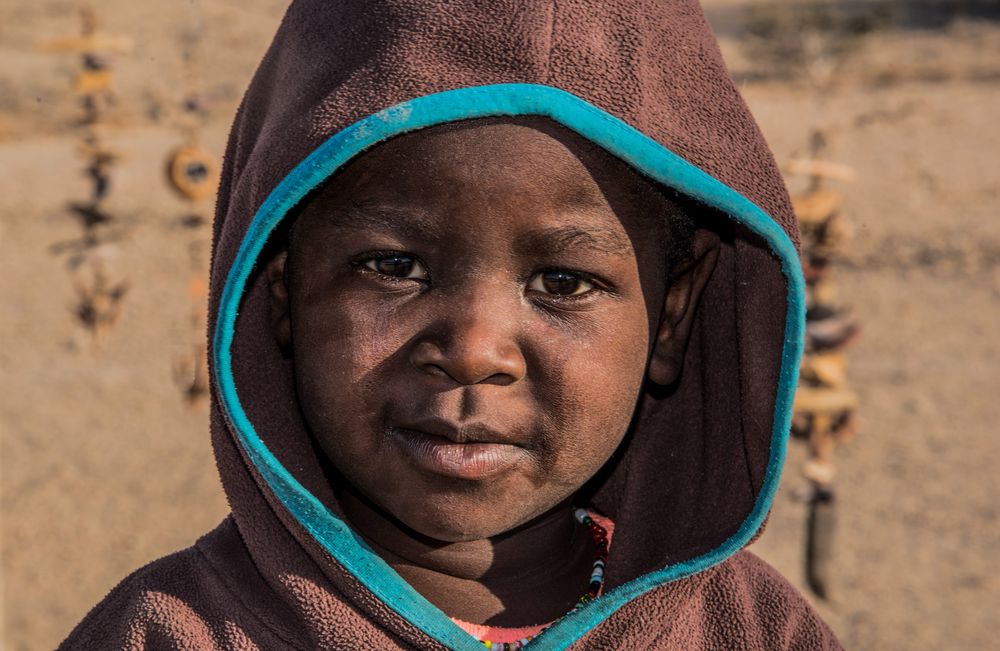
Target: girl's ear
(277,283)
(679,306)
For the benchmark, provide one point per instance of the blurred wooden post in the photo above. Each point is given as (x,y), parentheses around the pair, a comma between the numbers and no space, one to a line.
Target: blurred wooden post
(825,406)
(99,299)
(192,173)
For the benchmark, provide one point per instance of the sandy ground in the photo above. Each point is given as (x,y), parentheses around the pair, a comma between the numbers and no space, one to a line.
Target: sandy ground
(104,467)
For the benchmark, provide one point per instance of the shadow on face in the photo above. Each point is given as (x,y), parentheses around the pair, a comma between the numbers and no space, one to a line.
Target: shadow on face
(472,310)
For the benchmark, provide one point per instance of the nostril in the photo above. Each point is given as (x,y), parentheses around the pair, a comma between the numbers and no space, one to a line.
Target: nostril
(428,358)
(431,359)
(469,362)
(501,379)
(434,369)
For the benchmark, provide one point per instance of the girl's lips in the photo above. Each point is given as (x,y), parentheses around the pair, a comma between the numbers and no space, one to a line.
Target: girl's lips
(473,460)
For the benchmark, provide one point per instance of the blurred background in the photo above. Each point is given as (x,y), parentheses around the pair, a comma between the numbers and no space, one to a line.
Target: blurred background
(883,114)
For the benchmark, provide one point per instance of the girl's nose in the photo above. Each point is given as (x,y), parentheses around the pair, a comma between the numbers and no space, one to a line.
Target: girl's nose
(476,347)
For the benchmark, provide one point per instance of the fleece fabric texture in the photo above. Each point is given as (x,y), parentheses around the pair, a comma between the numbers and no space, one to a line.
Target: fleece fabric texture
(691,483)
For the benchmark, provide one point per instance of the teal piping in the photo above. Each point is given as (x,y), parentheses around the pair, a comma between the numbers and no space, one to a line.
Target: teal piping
(618,138)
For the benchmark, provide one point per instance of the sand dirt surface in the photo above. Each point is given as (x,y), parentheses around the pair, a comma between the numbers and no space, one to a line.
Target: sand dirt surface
(104,466)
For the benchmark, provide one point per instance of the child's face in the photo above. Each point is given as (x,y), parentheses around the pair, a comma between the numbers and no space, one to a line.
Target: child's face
(471,313)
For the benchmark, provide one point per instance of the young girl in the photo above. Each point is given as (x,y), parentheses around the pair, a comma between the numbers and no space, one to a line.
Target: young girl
(506,321)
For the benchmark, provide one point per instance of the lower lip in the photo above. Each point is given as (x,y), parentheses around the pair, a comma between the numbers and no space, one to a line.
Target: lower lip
(459,460)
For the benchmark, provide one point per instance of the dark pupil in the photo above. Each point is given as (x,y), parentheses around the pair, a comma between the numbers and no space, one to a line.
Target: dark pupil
(560,282)
(397,265)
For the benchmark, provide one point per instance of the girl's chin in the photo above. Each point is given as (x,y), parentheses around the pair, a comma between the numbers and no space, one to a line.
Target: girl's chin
(481,521)
(442,526)
(447,532)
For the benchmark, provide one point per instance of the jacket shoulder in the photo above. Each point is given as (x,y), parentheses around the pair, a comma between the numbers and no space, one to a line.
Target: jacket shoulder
(756,605)
(176,602)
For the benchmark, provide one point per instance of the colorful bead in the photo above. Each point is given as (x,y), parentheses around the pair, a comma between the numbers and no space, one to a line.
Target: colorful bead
(600,537)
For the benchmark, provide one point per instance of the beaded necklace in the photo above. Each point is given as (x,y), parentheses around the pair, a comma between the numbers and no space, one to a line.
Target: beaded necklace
(600,536)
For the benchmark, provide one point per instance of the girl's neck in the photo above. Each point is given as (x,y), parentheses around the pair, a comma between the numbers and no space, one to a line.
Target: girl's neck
(531,575)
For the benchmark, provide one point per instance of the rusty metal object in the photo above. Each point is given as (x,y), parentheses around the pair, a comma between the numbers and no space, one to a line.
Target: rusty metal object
(820,169)
(191,369)
(818,206)
(821,527)
(93,42)
(90,82)
(191,375)
(90,39)
(94,80)
(192,172)
(99,302)
(825,401)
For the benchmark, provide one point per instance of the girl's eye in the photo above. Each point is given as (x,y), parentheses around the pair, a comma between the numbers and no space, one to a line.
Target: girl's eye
(397,265)
(560,283)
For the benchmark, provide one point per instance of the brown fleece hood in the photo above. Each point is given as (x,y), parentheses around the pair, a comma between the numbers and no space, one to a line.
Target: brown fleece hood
(693,481)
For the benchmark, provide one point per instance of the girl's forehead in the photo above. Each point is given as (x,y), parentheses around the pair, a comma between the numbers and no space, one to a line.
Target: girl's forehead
(491,155)
(526,165)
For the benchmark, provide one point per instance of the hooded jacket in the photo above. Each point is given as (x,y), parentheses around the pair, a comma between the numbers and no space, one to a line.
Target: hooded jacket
(693,483)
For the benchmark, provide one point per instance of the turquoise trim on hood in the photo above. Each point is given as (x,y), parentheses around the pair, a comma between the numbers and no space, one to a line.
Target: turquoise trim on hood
(618,138)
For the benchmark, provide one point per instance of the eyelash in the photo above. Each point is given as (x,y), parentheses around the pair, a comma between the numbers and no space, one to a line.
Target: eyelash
(596,285)
(360,263)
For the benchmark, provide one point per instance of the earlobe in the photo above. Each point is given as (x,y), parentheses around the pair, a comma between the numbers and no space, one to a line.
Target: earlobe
(679,307)
(277,284)
(663,369)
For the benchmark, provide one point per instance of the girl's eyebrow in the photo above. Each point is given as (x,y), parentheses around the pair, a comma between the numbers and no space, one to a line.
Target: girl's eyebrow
(416,223)
(566,239)
(406,221)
